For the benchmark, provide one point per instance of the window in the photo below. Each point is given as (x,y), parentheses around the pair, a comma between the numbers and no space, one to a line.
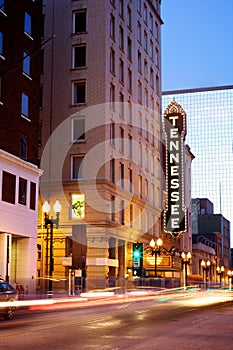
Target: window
(146,70)
(25,105)
(145,13)
(1,43)
(131,180)
(152,77)
(27,23)
(26,63)
(157,84)
(122,212)
(8,187)
(151,23)
(122,170)
(79,92)
(2,5)
(145,41)
(80,21)
(139,92)
(77,167)
(78,129)
(146,98)
(112,61)
(121,71)
(112,96)
(22,196)
(151,50)
(129,48)
(130,112)
(112,214)
(77,206)
(131,215)
(32,196)
(129,17)
(112,133)
(121,38)
(157,57)
(23,147)
(139,62)
(79,56)
(140,186)
(121,8)
(112,27)
(121,140)
(139,32)
(139,5)
(139,123)
(112,170)
(121,105)
(140,154)
(129,85)
(130,140)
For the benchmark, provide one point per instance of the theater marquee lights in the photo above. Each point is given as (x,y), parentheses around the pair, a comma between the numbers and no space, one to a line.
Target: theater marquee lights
(175,132)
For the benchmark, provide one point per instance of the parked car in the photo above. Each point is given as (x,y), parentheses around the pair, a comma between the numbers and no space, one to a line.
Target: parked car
(7,293)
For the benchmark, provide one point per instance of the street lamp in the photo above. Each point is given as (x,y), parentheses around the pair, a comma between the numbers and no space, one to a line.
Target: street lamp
(155,250)
(205,265)
(220,271)
(51,222)
(186,257)
(230,274)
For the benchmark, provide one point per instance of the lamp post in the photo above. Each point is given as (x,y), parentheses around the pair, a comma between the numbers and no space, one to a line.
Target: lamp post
(51,222)
(155,250)
(220,271)
(186,257)
(205,265)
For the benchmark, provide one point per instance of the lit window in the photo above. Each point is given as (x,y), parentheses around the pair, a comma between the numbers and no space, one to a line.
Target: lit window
(77,206)
(78,129)
(79,56)
(79,92)
(27,23)
(25,105)
(26,63)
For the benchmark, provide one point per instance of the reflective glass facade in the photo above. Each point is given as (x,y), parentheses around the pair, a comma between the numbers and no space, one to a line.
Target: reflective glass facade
(210,136)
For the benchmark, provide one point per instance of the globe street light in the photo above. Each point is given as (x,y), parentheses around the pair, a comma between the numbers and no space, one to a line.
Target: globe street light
(205,265)
(155,250)
(51,222)
(186,257)
(220,271)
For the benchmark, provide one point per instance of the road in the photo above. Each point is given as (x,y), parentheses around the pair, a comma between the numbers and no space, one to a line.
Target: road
(149,323)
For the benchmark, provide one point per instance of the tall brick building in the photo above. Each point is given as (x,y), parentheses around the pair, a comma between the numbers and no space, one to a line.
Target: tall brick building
(101,132)
(20,39)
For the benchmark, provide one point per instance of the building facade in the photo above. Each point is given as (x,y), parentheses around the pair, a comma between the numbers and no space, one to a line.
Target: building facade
(20,22)
(210,124)
(101,134)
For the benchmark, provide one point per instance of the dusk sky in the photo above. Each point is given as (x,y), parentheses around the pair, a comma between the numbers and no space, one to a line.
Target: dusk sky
(197,43)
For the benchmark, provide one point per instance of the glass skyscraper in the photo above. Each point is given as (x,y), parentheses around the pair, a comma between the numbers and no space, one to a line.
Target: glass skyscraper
(209,114)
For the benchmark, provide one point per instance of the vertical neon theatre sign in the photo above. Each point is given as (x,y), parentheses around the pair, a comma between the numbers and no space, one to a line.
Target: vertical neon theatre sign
(175,132)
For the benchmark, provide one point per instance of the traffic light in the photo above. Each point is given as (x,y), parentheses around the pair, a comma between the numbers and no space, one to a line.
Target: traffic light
(137,259)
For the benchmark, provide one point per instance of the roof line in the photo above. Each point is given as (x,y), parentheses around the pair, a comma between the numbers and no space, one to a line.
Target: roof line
(171,92)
